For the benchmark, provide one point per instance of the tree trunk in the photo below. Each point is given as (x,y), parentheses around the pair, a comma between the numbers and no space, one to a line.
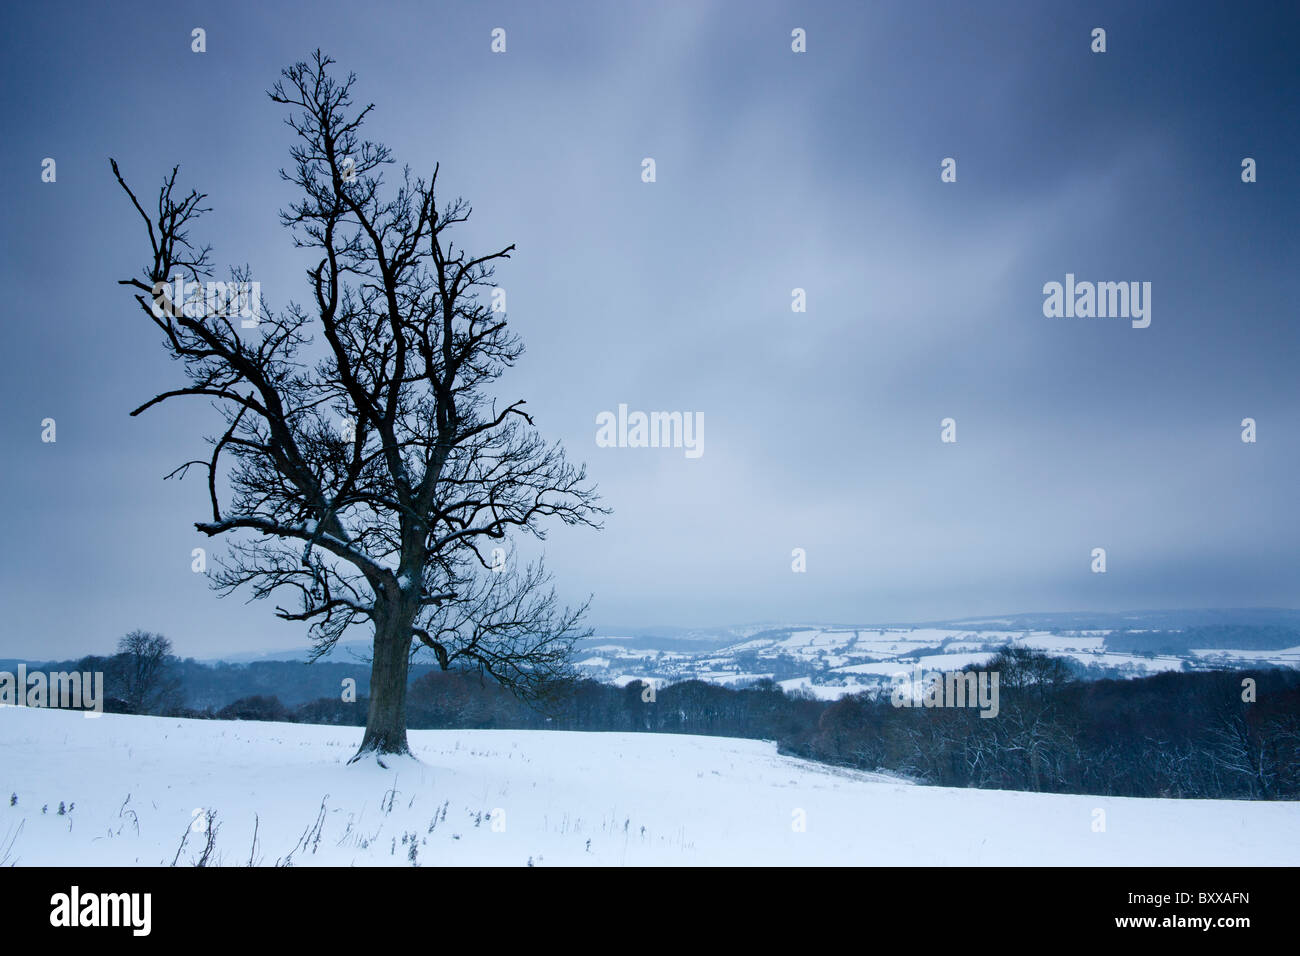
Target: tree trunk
(386,719)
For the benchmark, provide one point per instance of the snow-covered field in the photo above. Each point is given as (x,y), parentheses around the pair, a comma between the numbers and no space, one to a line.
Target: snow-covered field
(132,786)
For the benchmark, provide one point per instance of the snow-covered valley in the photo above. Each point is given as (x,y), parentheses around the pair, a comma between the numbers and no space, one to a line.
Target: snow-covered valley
(830,662)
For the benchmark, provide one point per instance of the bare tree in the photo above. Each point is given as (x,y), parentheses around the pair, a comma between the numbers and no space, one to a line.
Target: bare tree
(371,475)
(144,664)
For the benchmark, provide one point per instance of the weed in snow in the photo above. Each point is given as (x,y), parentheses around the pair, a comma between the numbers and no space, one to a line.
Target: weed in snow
(7,844)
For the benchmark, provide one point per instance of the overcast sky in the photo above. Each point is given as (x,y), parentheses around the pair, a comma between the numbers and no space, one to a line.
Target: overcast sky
(775,170)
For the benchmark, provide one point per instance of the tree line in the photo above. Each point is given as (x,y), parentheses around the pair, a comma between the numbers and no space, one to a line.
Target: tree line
(1206,734)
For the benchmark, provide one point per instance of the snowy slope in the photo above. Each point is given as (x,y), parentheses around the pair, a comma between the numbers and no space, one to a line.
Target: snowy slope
(134,784)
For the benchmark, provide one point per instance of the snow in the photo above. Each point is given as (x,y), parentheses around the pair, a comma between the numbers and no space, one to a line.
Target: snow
(622,680)
(819,659)
(1151,665)
(727,678)
(1063,642)
(136,784)
(952,662)
(1288,657)
(882,668)
(619,650)
(824,691)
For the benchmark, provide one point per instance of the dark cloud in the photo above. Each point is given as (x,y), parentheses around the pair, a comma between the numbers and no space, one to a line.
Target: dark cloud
(775,171)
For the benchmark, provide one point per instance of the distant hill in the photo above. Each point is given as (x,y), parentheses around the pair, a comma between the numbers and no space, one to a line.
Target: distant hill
(825,660)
